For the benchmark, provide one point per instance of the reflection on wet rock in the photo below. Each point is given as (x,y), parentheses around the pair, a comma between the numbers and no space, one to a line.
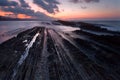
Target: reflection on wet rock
(64,53)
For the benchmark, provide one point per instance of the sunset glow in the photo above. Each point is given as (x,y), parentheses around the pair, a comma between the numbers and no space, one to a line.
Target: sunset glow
(2,13)
(68,9)
(22,16)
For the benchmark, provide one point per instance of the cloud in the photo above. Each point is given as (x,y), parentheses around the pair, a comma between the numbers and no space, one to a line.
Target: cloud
(23,3)
(84,1)
(50,6)
(80,1)
(24,8)
(83,7)
(29,12)
(8,3)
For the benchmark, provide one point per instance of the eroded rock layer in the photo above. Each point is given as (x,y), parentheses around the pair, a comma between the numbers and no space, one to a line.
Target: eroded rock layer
(46,54)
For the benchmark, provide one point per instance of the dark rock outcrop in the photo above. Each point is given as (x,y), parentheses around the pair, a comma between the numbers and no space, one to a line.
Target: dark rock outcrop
(44,54)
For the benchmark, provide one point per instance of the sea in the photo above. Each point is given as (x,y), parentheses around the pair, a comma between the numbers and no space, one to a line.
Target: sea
(110,25)
(9,29)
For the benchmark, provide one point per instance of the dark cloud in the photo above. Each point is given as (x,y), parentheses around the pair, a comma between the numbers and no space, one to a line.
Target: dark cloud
(84,1)
(18,10)
(83,7)
(91,1)
(23,3)
(8,3)
(24,8)
(50,6)
(29,12)
(80,1)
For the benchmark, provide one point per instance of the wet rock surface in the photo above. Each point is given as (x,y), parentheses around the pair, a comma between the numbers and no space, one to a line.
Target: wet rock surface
(46,54)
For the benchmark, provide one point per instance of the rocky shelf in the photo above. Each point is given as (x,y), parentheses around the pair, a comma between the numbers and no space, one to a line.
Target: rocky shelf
(46,54)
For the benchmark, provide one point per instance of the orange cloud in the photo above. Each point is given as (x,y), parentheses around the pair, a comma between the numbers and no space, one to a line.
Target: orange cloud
(2,13)
(10,14)
(23,16)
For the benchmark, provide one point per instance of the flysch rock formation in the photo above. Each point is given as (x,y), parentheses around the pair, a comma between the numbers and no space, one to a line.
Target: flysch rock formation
(46,54)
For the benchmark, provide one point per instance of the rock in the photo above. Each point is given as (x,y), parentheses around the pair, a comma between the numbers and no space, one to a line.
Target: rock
(50,56)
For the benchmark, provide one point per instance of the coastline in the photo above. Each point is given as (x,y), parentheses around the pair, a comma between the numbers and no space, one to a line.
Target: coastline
(54,54)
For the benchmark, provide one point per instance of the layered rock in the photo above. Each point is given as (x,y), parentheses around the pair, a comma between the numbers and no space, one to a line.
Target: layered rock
(45,54)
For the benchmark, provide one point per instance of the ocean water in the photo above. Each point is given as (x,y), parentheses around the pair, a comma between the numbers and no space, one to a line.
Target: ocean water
(9,29)
(110,25)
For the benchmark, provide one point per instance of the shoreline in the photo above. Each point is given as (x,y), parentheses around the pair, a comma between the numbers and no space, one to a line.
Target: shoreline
(57,54)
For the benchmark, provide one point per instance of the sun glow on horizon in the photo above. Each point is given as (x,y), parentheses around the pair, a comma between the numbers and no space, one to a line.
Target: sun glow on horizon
(68,10)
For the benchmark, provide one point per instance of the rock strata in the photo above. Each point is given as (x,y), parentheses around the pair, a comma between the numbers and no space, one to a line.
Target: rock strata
(52,55)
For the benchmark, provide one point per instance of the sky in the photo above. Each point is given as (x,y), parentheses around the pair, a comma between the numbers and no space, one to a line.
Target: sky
(61,9)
